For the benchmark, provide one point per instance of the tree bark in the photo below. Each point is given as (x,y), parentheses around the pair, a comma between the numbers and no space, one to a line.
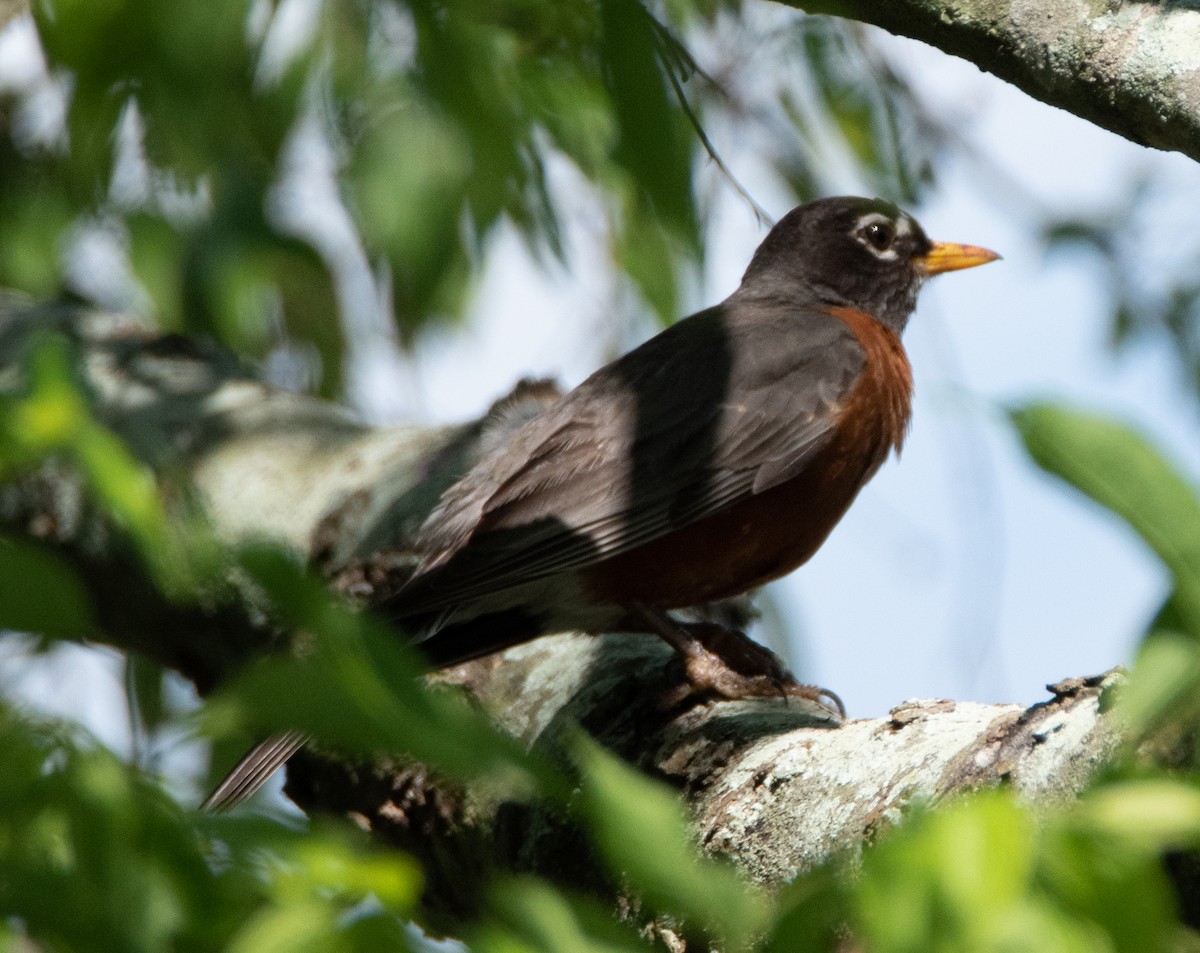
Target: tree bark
(1131,68)
(11,9)
(778,786)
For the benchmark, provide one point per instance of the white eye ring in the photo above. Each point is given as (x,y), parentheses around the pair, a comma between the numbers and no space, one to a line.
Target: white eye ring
(879,235)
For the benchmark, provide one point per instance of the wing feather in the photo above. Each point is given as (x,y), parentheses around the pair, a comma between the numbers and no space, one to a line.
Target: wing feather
(720,406)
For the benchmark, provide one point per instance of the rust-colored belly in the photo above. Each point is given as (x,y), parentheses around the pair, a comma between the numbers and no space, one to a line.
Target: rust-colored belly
(759,539)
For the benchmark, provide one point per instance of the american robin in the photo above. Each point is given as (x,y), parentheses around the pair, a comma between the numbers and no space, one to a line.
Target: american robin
(713,458)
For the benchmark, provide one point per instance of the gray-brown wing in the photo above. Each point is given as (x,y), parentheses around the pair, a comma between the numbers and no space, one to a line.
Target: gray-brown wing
(718,407)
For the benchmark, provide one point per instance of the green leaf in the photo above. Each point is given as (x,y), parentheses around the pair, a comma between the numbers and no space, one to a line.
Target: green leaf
(654,142)
(145,685)
(357,687)
(1153,815)
(329,863)
(1165,682)
(957,875)
(1116,896)
(532,916)
(1120,469)
(409,181)
(640,828)
(94,857)
(811,913)
(156,251)
(980,875)
(54,418)
(33,220)
(40,593)
(645,252)
(307,927)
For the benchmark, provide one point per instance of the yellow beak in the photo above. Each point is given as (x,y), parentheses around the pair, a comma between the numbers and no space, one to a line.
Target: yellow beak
(949,256)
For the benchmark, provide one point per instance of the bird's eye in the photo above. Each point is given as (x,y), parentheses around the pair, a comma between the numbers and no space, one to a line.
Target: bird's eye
(879,235)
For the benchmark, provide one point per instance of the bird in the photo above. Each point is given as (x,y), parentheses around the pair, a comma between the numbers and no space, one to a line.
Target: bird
(713,458)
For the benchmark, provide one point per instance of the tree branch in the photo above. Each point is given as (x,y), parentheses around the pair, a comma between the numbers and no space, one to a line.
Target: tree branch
(773,784)
(11,9)
(1130,67)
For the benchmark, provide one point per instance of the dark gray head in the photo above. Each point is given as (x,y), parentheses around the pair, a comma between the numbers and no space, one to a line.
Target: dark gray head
(853,252)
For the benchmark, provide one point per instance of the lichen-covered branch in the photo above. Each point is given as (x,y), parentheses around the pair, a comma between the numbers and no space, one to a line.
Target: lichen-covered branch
(774,784)
(1130,67)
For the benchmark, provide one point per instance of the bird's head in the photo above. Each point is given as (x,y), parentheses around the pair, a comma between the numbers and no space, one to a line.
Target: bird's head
(854,252)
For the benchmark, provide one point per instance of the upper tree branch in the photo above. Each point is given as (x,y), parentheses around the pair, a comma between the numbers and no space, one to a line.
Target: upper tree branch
(1130,67)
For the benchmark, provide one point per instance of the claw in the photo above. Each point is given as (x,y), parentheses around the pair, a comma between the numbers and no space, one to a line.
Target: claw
(726,663)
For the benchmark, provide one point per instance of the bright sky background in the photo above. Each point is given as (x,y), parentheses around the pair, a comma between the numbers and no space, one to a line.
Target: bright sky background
(961,572)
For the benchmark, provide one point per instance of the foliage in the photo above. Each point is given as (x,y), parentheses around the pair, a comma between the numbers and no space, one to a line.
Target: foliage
(97,857)
(1121,470)
(448,122)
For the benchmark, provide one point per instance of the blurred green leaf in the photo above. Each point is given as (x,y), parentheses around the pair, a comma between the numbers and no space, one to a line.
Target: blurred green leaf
(653,141)
(645,252)
(533,916)
(95,858)
(1123,472)
(357,688)
(53,418)
(958,874)
(1165,682)
(1150,815)
(654,145)
(811,912)
(53,413)
(330,863)
(144,694)
(168,54)
(39,592)
(639,826)
(33,219)
(295,928)
(1114,896)
(156,250)
(979,875)
(409,181)
(871,108)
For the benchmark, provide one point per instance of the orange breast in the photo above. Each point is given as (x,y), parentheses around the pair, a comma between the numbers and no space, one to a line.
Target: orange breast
(771,533)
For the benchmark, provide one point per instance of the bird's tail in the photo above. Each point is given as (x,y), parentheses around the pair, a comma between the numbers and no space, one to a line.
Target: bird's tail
(252,772)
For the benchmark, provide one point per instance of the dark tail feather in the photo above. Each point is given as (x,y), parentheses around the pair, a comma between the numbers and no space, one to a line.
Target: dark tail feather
(252,772)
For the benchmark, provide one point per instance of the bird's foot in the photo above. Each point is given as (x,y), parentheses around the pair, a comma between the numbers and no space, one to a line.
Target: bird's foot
(729,664)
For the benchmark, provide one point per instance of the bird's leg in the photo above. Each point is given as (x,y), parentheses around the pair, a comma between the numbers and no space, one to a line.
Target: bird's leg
(725,662)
